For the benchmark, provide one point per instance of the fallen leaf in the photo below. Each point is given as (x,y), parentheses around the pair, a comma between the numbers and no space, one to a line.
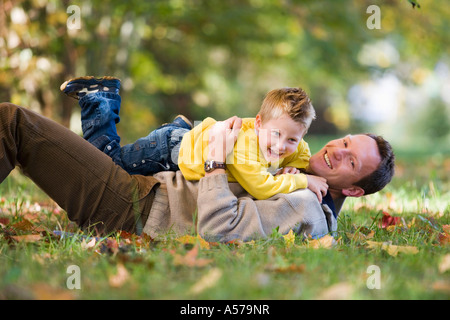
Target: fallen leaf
(446,228)
(289,239)
(325,242)
(188,239)
(190,259)
(444,238)
(339,291)
(441,285)
(43,291)
(88,245)
(292,268)
(387,220)
(209,280)
(27,238)
(118,280)
(23,225)
(359,236)
(444,265)
(391,249)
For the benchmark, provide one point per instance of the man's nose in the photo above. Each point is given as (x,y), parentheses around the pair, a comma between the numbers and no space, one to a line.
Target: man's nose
(340,153)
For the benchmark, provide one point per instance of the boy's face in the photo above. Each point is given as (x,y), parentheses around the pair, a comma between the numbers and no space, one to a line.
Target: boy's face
(278,138)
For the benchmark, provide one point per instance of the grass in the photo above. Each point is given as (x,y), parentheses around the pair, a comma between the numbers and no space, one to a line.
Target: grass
(124,266)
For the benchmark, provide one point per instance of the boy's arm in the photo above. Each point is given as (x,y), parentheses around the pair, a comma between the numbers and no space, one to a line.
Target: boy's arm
(253,176)
(300,158)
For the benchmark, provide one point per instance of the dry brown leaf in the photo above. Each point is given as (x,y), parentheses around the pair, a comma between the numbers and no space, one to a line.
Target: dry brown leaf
(190,259)
(88,245)
(444,265)
(339,291)
(27,238)
(359,236)
(209,280)
(118,280)
(43,291)
(292,268)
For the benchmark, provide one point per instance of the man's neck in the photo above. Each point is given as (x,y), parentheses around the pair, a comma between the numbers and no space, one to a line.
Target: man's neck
(336,194)
(338,198)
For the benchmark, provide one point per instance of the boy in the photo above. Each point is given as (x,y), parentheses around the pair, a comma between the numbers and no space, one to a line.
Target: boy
(271,140)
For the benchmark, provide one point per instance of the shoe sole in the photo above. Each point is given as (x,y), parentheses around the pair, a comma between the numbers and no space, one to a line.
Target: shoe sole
(186,120)
(86,78)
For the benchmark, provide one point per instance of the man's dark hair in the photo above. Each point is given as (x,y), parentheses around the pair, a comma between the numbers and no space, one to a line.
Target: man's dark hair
(378,179)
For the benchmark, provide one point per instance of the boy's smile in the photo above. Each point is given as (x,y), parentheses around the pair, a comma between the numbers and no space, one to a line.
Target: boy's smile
(278,138)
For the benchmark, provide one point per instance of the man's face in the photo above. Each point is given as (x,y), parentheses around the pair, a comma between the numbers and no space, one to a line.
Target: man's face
(345,161)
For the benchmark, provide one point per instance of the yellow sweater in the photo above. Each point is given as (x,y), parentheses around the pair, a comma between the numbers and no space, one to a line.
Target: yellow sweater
(246,165)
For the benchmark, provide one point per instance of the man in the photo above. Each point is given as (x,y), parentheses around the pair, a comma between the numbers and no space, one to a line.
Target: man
(98,194)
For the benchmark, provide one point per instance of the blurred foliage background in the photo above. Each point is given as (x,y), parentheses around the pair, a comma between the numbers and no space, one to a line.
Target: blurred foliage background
(219,58)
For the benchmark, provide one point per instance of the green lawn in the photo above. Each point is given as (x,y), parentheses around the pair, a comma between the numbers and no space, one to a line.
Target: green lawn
(408,259)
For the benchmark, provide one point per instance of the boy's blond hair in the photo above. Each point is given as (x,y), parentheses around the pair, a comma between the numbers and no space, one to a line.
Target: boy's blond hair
(291,101)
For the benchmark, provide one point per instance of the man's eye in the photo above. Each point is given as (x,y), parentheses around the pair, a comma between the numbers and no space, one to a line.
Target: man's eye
(345,143)
(352,163)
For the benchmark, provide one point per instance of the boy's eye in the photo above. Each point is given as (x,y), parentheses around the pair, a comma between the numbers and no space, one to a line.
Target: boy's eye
(275,132)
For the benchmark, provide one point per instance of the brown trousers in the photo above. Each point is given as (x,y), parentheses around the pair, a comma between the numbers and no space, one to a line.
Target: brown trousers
(95,193)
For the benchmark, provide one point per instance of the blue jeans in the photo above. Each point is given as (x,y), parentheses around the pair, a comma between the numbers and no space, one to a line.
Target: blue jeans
(154,153)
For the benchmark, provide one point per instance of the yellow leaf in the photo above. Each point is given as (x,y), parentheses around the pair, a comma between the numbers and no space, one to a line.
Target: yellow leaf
(324,242)
(289,239)
(193,240)
(391,249)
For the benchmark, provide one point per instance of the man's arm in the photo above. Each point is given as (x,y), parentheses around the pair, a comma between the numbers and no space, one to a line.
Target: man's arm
(224,217)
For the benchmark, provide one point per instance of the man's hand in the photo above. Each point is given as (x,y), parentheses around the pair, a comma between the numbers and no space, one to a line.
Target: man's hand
(318,185)
(222,137)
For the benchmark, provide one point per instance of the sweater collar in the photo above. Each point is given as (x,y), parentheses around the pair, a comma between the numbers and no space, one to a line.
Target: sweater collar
(328,200)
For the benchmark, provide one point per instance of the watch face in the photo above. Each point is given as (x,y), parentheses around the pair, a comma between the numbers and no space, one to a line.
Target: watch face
(210,165)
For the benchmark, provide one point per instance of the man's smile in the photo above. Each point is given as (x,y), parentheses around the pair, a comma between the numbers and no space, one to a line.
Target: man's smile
(327,160)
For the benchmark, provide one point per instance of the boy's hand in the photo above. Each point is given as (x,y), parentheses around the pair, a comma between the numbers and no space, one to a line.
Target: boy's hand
(290,170)
(318,185)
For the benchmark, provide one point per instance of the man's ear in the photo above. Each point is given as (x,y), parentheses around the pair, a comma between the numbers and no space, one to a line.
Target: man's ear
(353,191)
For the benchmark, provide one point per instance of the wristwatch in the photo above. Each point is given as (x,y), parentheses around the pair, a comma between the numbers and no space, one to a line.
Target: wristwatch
(211,165)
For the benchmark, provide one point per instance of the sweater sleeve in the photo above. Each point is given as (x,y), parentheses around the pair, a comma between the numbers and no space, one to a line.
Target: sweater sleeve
(224,217)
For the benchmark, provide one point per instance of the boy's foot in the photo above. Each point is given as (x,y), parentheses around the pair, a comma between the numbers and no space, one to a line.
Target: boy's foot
(77,88)
(182,121)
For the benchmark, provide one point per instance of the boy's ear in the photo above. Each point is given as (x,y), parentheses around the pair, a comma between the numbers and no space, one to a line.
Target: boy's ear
(257,122)
(353,191)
